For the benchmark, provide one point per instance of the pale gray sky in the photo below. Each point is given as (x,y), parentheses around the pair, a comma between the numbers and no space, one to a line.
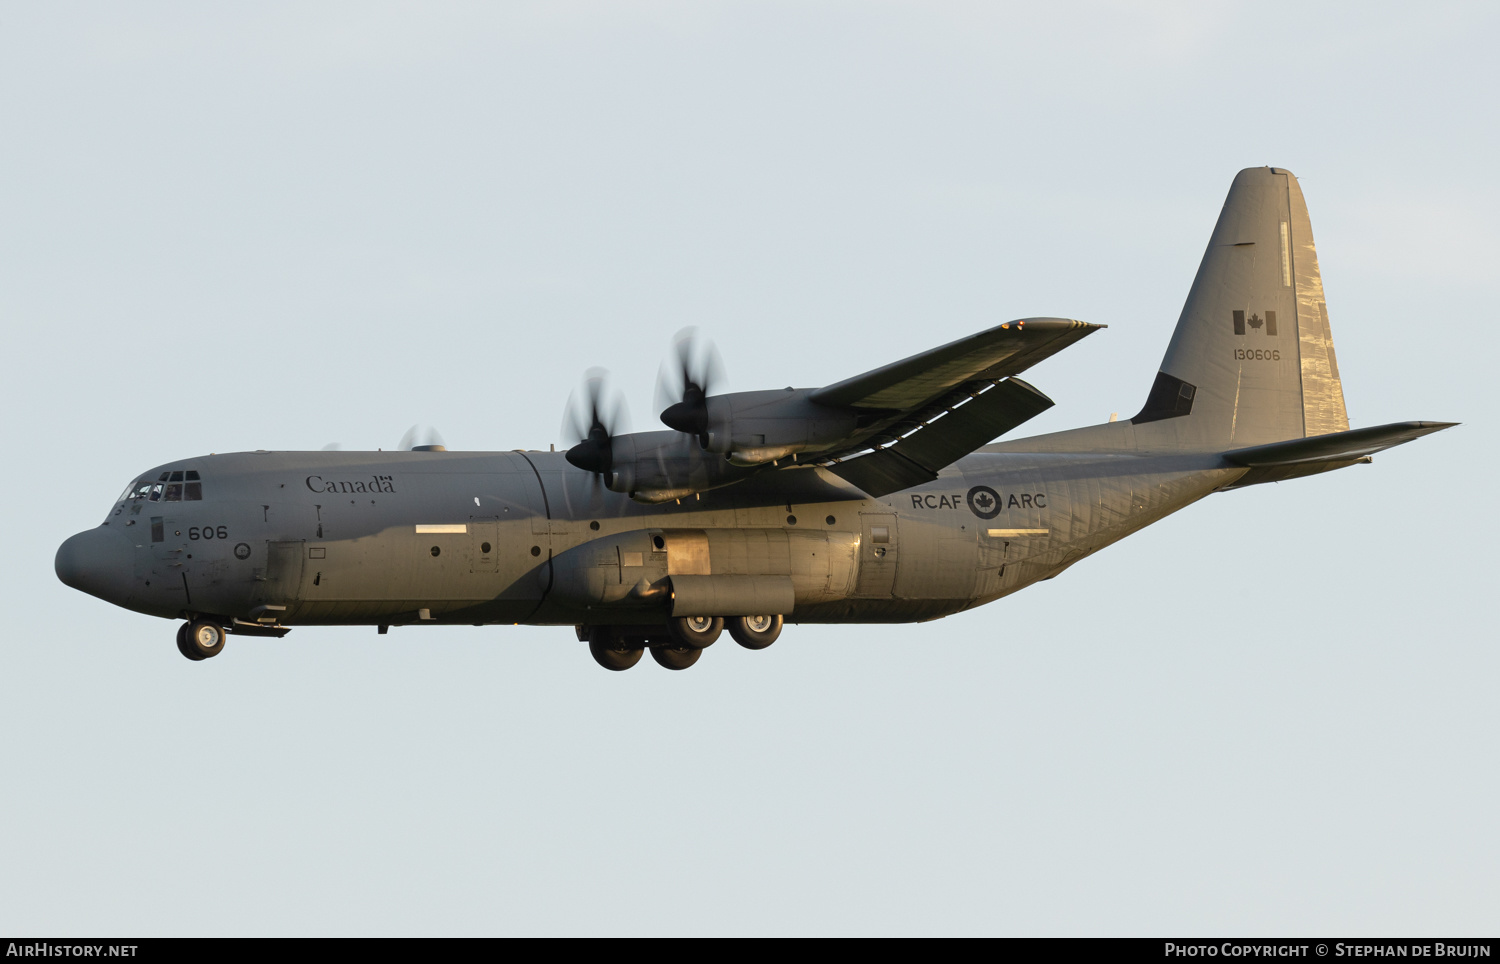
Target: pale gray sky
(277,226)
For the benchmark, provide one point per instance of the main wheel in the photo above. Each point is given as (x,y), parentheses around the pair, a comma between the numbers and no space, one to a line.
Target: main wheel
(202,638)
(182,643)
(611,650)
(676,657)
(696,632)
(755,632)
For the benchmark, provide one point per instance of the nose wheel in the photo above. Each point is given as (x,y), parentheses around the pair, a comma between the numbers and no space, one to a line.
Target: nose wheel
(200,639)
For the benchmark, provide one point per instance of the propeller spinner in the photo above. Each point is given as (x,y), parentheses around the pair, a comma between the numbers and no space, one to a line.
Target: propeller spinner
(684,390)
(594,425)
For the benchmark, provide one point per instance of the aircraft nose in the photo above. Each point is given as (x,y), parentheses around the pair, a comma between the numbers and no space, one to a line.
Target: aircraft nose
(98,562)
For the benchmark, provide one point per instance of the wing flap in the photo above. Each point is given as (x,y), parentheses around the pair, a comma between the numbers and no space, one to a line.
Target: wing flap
(998,353)
(881,473)
(918,457)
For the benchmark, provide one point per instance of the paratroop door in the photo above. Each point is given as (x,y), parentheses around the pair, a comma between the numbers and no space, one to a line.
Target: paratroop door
(878,548)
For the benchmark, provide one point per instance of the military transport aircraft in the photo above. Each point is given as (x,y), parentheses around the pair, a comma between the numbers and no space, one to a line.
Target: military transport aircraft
(872,499)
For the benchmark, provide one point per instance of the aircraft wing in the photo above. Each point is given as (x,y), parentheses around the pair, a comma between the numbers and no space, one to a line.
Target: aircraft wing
(998,353)
(885,430)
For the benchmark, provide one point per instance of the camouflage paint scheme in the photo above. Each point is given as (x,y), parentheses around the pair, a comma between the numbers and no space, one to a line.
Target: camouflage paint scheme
(1248,392)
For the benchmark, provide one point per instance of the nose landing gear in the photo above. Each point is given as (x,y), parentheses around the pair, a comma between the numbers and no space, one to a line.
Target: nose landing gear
(200,639)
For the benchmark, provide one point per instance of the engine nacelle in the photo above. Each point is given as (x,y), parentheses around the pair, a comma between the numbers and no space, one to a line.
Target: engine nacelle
(657,467)
(755,428)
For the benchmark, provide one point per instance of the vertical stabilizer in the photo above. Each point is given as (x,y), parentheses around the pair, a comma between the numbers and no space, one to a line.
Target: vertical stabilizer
(1252,359)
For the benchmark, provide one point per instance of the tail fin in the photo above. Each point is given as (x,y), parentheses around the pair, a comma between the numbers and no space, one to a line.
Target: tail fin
(1252,358)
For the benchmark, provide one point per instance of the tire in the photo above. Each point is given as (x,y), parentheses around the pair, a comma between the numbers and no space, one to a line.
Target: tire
(676,657)
(696,632)
(755,632)
(202,638)
(612,650)
(182,644)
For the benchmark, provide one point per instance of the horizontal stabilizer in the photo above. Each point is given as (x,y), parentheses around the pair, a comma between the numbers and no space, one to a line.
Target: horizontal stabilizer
(1338,447)
(1000,352)
(917,457)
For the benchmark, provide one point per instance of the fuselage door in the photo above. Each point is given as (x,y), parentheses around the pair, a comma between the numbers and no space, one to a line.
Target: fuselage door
(878,549)
(279,583)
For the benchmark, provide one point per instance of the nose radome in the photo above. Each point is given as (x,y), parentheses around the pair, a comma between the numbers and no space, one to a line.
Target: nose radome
(98,562)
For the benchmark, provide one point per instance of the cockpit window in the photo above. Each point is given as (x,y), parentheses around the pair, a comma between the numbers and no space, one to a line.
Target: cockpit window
(178,486)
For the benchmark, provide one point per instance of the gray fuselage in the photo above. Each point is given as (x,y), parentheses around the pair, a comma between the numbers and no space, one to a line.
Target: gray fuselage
(373,538)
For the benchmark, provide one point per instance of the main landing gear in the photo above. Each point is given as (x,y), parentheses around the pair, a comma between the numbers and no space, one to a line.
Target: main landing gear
(612,649)
(200,639)
(696,632)
(755,632)
(680,643)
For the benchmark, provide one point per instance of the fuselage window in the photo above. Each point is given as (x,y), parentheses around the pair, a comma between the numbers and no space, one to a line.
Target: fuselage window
(192,476)
(192,491)
(174,491)
(176,476)
(156,492)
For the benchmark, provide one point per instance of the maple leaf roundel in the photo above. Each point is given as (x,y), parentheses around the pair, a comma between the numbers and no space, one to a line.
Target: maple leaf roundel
(984,502)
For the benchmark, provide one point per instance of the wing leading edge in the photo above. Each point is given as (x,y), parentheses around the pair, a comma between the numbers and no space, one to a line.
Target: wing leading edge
(991,355)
